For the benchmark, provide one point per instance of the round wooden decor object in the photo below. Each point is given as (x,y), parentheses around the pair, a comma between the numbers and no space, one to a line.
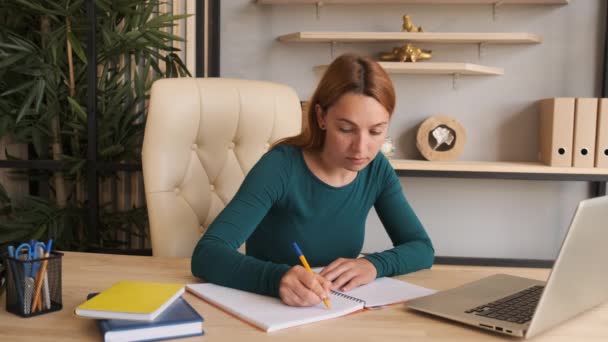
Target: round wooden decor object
(440,138)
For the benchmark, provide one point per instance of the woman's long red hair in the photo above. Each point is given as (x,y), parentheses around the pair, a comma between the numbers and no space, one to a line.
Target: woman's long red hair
(348,73)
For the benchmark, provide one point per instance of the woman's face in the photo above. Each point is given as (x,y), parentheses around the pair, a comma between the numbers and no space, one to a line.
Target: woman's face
(355,128)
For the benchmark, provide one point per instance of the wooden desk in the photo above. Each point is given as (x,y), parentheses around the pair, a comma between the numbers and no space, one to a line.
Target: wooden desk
(84,273)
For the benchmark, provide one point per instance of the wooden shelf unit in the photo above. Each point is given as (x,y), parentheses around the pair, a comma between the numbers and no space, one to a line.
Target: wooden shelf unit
(436,68)
(414,2)
(507,170)
(422,37)
(478,166)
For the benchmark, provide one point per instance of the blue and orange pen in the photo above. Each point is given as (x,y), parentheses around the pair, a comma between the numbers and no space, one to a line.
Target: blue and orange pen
(307,266)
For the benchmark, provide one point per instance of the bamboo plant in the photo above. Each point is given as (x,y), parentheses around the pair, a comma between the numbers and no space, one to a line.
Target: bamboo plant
(43,91)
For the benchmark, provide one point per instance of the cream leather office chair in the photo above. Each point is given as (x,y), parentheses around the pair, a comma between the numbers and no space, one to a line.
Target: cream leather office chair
(202,136)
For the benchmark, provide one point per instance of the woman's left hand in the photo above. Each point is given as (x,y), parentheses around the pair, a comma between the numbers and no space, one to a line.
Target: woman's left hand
(346,274)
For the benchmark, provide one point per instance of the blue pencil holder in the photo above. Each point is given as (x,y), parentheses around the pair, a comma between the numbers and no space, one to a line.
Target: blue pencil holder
(33,287)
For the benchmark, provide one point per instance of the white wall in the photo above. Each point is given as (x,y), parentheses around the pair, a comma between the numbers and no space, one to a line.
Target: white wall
(464,217)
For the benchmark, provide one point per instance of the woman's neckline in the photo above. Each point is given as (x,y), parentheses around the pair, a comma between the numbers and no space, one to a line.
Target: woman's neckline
(319,180)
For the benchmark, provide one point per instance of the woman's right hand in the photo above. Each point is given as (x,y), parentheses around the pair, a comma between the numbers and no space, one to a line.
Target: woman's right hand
(299,287)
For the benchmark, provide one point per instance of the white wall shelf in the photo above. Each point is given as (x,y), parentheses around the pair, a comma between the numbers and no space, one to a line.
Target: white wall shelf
(501,170)
(477,166)
(437,68)
(426,37)
(419,2)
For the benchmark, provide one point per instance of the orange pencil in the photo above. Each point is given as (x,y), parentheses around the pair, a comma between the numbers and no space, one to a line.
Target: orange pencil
(307,266)
(37,304)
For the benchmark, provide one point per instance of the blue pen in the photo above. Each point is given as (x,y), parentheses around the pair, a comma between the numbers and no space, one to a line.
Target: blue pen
(13,267)
(49,246)
(26,253)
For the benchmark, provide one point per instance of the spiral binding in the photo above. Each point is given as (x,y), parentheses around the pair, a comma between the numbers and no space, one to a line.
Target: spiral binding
(344,295)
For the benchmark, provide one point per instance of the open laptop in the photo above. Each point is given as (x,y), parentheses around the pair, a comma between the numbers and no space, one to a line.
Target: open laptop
(525,307)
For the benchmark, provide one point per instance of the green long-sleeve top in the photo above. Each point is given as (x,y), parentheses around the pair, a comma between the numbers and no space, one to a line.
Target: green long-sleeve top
(281,201)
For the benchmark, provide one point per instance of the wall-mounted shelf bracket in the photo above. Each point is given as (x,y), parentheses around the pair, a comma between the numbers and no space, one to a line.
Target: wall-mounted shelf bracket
(318,6)
(455,77)
(332,50)
(495,7)
(480,50)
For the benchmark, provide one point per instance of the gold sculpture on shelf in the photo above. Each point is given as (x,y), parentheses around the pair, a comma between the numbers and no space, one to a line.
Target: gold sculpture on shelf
(406,53)
(408,26)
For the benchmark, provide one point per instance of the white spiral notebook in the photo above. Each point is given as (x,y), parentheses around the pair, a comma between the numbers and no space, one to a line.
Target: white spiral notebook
(270,314)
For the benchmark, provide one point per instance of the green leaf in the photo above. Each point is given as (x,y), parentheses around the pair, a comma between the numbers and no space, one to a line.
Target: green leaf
(29,70)
(147,12)
(181,64)
(77,47)
(46,132)
(18,88)
(155,66)
(162,19)
(76,6)
(111,150)
(82,115)
(37,141)
(40,94)
(106,6)
(5,123)
(79,166)
(23,42)
(134,35)
(14,47)
(75,127)
(54,54)
(149,40)
(59,8)
(12,59)
(26,104)
(39,233)
(167,36)
(37,7)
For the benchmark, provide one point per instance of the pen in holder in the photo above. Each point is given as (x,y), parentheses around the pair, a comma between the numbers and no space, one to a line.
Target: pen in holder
(33,286)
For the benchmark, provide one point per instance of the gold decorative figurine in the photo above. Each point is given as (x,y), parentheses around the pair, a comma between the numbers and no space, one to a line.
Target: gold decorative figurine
(390,56)
(406,53)
(408,26)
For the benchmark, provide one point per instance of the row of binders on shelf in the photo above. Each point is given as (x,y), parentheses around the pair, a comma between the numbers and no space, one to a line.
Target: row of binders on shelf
(574,132)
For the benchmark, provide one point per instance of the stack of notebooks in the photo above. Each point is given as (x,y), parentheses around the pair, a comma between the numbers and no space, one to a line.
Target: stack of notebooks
(140,311)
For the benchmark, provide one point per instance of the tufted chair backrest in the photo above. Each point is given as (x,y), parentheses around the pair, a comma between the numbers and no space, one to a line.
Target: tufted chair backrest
(202,137)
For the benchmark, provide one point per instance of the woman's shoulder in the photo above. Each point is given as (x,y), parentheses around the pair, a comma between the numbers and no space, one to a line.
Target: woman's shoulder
(285,148)
(284,151)
(383,176)
(380,164)
(280,155)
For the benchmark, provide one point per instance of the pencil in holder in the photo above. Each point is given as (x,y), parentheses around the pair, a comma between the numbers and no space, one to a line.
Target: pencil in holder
(33,286)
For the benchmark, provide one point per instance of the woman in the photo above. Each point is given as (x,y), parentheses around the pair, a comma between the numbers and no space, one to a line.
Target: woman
(316,189)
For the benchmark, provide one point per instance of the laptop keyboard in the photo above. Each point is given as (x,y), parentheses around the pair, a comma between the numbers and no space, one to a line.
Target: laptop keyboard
(516,308)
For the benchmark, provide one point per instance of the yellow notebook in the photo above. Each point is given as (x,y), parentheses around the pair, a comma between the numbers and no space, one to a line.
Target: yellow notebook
(130,300)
